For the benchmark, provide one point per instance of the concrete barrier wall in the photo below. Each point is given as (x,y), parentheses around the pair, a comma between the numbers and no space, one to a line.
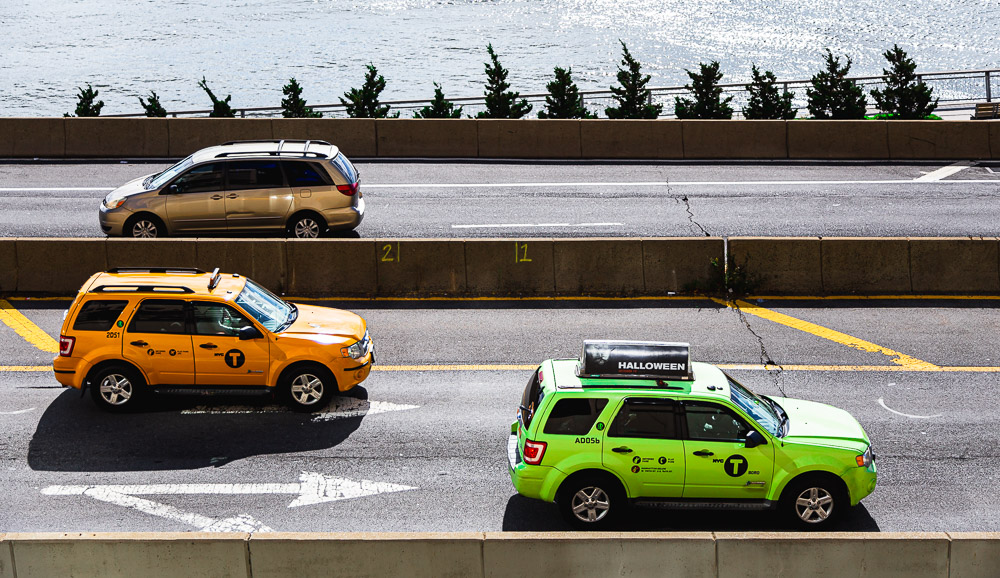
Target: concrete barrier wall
(515,139)
(535,267)
(500,554)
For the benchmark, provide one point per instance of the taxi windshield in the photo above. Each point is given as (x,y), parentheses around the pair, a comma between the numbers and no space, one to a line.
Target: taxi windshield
(157,181)
(759,409)
(265,307)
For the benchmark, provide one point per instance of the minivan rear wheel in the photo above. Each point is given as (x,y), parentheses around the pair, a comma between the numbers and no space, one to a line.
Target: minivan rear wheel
(306,226)
(144,227)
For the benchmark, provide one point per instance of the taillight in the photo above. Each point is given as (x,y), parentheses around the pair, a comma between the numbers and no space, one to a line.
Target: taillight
(66,345)
(349,190)
(533,452)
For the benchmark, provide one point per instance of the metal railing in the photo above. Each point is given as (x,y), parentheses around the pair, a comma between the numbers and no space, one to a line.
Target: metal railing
(957,90)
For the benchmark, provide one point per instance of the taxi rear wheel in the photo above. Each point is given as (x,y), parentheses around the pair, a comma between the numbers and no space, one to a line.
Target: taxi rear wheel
(592,502)
(814,503)
(308,388)
(117,388)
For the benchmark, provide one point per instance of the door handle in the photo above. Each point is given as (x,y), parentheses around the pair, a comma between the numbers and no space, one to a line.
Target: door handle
(208,346)
(622,450)
(704,453)
(140,343)
(232,196)
(216,197)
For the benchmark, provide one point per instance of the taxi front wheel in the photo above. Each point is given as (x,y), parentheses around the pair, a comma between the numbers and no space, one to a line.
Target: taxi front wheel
(308,388)
(592,502)
(117,388)
(813,503)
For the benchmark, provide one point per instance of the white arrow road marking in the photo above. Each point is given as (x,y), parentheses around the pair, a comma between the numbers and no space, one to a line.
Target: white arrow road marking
(525,225)
(339,408)
(18,412)
(947,171)
(313,488)
(882,403)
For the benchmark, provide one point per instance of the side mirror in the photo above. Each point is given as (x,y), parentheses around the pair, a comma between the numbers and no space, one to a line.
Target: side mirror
(249,332)
(754,438)
(173,190)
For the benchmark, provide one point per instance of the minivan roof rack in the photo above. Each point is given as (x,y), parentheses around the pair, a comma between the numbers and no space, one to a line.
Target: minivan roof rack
(189,270)
(272,153)
(235,142)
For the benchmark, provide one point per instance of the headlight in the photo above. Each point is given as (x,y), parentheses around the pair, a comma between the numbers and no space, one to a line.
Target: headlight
(114,203)
(357,350)
(865,459)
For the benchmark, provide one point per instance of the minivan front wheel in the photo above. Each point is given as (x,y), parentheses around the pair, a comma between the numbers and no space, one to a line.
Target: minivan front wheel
(306,226)
(144,227)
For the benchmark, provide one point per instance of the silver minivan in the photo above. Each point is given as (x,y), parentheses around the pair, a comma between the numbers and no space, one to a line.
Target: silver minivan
(303,187)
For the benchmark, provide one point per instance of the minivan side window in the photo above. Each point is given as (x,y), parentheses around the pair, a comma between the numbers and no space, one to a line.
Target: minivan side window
(646,418)
(254,175)
(202,179)
(159,316)
(98,315)
(574,415)
(302,174)
(713,423)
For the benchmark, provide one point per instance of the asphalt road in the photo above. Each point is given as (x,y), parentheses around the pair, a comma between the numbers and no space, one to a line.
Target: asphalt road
(539,199)
(430,441)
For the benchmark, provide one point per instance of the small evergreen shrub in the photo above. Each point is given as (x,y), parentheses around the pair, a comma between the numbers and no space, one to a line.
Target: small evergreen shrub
(364,102)
(766,101)
(904,97)
(439,107)
(500,101)
(220,108)
(832,95)
(564,100)
(152,106)
(85,103)
(633,98)
(708,102)
(293,105)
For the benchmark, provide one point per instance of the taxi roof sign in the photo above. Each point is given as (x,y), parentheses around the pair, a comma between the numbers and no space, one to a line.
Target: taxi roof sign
(635,359)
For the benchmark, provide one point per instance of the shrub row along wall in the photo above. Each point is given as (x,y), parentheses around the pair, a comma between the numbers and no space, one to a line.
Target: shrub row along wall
(526,267)
(530,139)
(495,554)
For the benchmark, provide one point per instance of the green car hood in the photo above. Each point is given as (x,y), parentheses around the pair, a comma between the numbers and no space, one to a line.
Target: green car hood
(811,422)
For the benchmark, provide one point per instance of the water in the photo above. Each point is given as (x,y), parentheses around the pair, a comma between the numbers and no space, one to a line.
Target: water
(249,48)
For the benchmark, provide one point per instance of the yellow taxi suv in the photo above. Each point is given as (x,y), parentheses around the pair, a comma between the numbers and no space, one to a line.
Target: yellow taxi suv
(132,331)
(636,423)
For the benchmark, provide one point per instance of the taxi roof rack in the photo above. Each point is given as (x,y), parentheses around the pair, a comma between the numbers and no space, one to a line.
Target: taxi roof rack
(189,270)
(656,360)
(128,288)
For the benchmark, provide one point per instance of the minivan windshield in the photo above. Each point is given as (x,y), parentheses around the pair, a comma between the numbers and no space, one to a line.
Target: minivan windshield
(268,309)
(759,409)
(157,181)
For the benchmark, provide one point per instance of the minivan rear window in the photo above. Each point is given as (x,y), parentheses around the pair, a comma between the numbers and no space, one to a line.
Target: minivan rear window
(98,315)
(574,415)
(345,167)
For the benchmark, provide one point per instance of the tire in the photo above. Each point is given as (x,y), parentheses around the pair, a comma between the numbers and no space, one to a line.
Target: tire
(592,502)
(144,226)
(117,388)
(308,388)
(814,503)
(306,226)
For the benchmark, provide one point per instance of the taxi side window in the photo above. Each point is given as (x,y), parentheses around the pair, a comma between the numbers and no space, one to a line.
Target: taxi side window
(574,416)
(646,418)
(712,422)
(218,319)
(159,316)
(98,315)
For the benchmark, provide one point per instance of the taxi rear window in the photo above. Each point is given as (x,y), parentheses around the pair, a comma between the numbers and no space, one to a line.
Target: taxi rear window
(98,315)
(530,400)
(574,415)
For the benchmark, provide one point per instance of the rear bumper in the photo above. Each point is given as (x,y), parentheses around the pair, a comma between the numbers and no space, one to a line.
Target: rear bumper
(345,218)
(69,371)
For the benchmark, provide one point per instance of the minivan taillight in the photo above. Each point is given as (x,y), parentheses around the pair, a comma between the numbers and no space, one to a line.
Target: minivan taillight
(533,452)
(66,345)
(349,190)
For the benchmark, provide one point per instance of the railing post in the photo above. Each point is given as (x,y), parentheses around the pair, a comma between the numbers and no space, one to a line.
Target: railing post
(243,114)
(989,92)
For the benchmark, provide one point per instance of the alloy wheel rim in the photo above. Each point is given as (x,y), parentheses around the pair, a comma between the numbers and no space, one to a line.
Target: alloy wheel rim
(116,389)
(144,229)
(590,504)
(307,389)
(814,505)
(306,229)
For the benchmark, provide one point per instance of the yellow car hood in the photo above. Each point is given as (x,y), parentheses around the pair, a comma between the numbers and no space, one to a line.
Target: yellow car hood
(313,320)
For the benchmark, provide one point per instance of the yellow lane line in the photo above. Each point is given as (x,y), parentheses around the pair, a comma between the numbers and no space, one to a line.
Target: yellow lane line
(597,298)
(898,358)
(736,366)
(25,328)
(875,297)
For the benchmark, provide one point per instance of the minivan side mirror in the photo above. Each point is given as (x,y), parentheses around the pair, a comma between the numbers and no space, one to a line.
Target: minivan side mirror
(754,438)
(249,332)
(173,190)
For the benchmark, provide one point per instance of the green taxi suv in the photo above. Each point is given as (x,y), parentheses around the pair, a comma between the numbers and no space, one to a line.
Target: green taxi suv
(636,423)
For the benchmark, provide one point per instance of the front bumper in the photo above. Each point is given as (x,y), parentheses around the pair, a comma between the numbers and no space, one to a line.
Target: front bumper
(861,482)
(112,221)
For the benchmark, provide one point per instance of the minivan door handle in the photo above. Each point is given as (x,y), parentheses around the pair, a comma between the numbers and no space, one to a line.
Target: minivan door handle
(622,450)
(232,196)
(216,197)
(139,343)
(208,346)
(704,453)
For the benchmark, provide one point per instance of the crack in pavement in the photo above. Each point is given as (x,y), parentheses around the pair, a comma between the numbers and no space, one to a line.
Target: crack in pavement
(687,207)
(765,357)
